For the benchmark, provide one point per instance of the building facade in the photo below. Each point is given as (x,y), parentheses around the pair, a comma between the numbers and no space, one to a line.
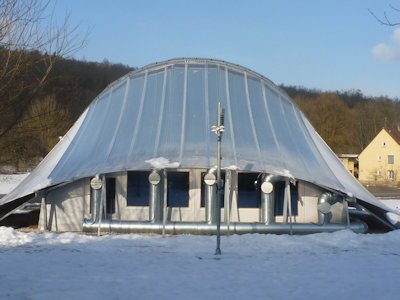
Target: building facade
(379,162)
(350,162)
(142,158)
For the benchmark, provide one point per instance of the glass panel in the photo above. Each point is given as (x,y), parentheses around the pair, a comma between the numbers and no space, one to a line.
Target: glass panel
(109,122)
(172,116)
(244,138)
(81,152)
(197,129)
(268,148)
(287,146)
(138,188)
(306,146)
(217,93)
(127,125)
(390,159)
(148,126)
(178,189)
(247,192)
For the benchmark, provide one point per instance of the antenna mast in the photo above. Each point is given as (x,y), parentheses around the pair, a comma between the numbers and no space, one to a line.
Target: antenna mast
(219,129)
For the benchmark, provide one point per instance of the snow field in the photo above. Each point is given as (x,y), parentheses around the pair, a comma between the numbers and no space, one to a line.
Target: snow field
(340,265)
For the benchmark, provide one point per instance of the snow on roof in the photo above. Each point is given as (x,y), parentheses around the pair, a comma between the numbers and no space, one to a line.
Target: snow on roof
(166,110)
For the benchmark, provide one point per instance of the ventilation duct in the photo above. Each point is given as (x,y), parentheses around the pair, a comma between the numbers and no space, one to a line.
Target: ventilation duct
(156,197)
(116,226)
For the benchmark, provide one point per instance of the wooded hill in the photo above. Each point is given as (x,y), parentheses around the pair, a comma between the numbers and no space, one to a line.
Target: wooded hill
(346,120)
(32,123)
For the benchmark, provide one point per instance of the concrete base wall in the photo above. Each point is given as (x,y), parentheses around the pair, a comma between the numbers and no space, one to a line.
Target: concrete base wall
(68,205)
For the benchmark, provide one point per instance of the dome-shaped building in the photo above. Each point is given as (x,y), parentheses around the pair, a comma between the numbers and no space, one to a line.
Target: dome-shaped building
(141,156)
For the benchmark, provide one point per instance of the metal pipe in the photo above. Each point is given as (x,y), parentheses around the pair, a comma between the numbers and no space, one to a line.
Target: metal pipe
(165,200)
(324,206)
(285,207)
(227,199)
(219,131)
(117,226)
(288,197)
(268,198)
(43,214)
(95,204)
(210,194)
(155,197)
(102,204)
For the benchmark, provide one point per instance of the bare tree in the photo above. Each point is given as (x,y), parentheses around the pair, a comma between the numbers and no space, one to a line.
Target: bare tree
(47,119)
(386,20)
(31,42)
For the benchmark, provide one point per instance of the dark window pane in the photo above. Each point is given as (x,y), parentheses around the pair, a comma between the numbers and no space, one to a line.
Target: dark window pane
(138,188)
(247,192)
(178,189)
(110,200)
(203,190)
(390,159)
(279,189)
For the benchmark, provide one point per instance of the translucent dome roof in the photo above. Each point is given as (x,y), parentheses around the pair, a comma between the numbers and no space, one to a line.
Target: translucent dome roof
(166,110)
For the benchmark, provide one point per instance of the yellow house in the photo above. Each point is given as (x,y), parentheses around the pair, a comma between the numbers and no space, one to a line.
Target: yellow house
(350,162)
(379,162)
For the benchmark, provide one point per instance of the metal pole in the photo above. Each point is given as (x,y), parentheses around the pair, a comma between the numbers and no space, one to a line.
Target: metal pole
(218,249)
(219,129)
(289,202)
(102,202)
(346,210)
(165,208)
(227,202)
(43,213)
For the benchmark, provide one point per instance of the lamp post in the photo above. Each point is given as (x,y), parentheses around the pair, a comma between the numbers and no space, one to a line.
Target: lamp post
(219,129)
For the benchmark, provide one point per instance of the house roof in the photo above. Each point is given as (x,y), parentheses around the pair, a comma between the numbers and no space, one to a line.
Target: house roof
(164,112)
(394,133)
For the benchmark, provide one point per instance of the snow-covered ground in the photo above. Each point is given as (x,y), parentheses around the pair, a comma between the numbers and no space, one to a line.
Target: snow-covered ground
(340,265)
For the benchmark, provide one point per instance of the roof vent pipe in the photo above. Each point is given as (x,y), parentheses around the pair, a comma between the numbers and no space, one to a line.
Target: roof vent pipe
(96,184)
(324,207)
(268,197)
(155,195)
(210,180)
(102,204)
(164,200)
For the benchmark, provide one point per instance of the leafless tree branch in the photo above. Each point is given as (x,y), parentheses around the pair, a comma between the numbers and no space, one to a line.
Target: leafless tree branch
(385,20)
(31,42)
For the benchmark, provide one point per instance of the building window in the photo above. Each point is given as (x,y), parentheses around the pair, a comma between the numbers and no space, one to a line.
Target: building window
(391,175)
(383,144)
(204,186)
(178,189)
(280,198)
(110,199)
(138,188)
(391,159)
(378,172)
(379,158)
(247,192)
